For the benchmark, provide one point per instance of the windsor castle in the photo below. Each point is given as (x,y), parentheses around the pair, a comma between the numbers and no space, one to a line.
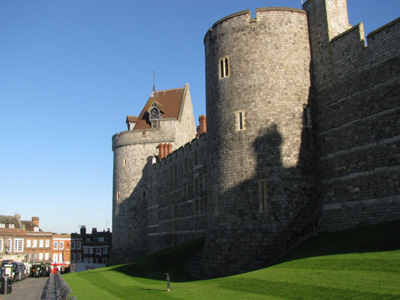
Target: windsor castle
(301,136)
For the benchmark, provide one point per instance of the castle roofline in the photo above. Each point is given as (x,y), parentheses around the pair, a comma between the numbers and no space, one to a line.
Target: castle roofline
(169,101)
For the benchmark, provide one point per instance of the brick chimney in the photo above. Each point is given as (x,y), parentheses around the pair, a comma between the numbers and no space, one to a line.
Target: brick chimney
(161,153)
(83,230)
(202,128)
(169,148)
(35,221)
(164,149)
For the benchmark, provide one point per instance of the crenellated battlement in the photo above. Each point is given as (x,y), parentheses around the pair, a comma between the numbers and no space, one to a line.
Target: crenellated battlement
(245,17)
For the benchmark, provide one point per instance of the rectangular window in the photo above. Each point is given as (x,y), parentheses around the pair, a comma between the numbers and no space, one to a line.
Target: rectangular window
(40,256)
(61,257)
(47,243)
(61,245)
(72,245)
(85,251)
(72,257)
(105,250)
(98,251)
(34,243)
(78,257)
(90,260)
(1,245)
(41,243)
(240,120)
(28,244)
(263,195)
(155,123)
(18,245)
(12,226)
(105,261)
(101,239)
(47,256)
(55,245)
(90,250)
(2,225)
(78,245)
(215,199)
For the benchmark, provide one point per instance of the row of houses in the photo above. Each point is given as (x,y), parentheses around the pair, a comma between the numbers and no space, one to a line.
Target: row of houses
(24,241)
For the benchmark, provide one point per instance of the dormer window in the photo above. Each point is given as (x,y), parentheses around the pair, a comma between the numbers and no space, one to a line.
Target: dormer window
(154,116)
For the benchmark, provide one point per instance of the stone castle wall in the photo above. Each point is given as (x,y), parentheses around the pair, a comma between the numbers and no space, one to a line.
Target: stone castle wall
(316,146)
(133,150)
(355,109)
(260,185)
(177,202)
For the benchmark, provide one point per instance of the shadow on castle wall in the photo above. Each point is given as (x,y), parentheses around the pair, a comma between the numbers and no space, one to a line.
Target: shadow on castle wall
(245,236)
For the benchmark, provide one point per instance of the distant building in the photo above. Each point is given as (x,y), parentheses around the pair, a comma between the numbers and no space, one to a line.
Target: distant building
(38,243)
(12,238)
(90,250)
(61,252)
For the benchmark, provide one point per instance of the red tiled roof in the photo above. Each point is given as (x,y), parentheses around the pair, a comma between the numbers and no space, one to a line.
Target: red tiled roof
(131,119)
(169,102)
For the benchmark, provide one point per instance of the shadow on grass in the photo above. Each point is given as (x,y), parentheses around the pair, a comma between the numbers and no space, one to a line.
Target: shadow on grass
(172,261)
(372,238)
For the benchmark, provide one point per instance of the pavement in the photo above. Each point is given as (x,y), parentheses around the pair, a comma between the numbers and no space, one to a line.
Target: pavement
(27,289)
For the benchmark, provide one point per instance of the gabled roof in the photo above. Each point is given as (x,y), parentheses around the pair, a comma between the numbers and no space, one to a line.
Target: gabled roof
(168,101)
(29,226)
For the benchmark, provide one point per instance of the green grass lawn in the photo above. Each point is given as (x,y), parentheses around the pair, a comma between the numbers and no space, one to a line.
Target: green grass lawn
(354,264)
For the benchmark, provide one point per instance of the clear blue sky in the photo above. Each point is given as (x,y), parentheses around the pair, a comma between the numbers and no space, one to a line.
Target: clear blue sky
(70,73)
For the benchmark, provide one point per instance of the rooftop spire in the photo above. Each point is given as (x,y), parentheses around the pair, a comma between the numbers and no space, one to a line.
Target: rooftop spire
(154,80)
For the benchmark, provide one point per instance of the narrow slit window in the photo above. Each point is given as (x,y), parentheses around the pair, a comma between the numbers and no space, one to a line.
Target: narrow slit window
(224,67)
(240,120)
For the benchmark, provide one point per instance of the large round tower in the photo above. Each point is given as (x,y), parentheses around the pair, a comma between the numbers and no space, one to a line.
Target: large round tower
(257,89)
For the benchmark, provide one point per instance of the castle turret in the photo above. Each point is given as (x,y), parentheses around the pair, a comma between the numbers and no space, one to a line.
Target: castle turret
(258,81)
(166,120)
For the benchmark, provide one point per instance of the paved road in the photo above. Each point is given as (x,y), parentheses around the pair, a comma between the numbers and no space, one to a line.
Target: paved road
(28,289)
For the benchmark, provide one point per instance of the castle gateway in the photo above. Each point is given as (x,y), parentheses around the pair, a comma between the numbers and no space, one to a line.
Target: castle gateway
(302,137)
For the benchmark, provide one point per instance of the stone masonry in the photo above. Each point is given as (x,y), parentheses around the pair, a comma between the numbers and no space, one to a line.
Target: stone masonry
(303,136)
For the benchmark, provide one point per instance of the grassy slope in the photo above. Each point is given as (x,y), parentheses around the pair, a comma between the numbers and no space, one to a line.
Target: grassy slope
(355,264)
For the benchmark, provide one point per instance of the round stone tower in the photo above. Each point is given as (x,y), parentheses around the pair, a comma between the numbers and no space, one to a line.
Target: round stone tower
(257,90)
